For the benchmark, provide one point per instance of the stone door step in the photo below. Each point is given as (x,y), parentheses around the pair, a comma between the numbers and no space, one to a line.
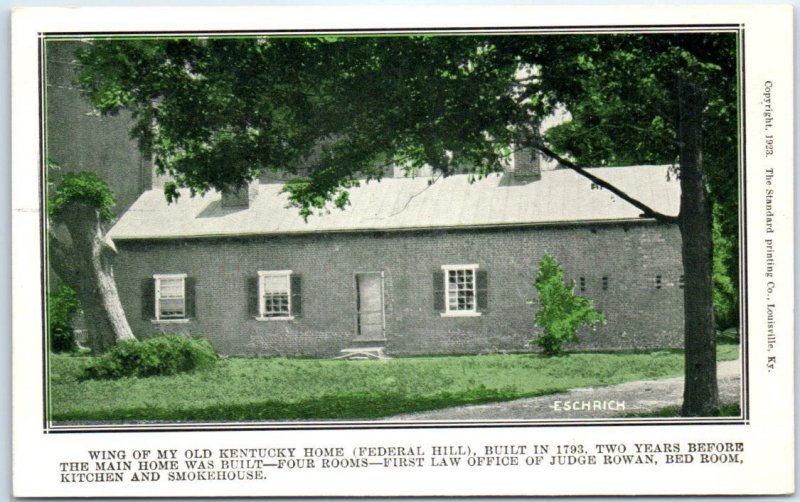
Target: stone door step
(362,353)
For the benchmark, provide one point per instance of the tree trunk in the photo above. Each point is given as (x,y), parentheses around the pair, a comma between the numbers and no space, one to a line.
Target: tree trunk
(86,267)
(700,394)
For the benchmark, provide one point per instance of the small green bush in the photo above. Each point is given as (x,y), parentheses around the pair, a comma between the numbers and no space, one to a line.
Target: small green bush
(562,312)
(157,356)
(83,188)
(62,304)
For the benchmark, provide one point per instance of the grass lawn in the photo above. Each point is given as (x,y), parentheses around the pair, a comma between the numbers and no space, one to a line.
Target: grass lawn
(297,389)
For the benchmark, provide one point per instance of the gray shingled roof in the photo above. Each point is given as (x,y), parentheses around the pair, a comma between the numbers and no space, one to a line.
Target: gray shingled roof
(559,197)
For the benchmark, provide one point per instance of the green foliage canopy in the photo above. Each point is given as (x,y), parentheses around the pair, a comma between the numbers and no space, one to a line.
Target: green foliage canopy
(216,112)
(724,284)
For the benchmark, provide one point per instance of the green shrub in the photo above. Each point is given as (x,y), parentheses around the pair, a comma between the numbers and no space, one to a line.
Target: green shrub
(62,304)
(83,188)
(562,312)
(159,355)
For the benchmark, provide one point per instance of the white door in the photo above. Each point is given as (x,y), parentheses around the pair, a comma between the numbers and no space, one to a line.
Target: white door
(369,316)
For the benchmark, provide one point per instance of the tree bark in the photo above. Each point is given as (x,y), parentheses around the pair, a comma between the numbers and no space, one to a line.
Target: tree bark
(85,265)
(700,394)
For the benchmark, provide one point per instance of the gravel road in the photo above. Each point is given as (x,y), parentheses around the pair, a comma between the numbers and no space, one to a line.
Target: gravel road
(602,402)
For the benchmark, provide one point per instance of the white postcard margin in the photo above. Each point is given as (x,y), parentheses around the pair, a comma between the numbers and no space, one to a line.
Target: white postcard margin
(768,457)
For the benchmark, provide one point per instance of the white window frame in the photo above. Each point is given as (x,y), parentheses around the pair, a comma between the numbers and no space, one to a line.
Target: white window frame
(473,267)
(274,273)
(158,278)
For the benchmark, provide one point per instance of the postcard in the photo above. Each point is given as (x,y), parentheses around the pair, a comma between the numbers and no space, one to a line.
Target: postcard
(402,251)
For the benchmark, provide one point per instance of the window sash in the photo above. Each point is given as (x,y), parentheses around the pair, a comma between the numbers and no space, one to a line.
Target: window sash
(460,288)
(170,296)
(275,293)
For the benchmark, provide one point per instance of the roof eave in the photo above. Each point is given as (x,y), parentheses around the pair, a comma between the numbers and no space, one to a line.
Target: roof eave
(388,230)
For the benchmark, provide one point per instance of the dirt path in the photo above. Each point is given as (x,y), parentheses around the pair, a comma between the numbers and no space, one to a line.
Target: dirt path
(638,397)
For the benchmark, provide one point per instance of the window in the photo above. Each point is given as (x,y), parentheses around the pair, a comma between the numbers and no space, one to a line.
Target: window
(275,294)
(681,282)
(460,286)
(658,282)
(605,283)
(170,297)
(460,290)
(583,283)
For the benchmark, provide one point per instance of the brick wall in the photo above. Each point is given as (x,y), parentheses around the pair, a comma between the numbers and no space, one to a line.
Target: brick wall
(640,316)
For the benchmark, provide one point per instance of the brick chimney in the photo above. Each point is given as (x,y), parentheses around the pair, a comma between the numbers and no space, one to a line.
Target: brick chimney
(239,197)
(527,164)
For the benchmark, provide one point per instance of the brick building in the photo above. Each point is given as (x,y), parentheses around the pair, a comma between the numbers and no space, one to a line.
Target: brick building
(409,268)
(254,278)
